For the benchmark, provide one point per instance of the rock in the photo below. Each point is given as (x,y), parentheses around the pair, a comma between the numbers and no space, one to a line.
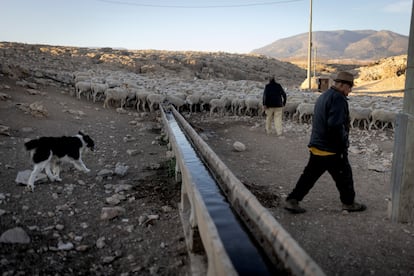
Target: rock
(166,208)
(132,152)
(15,235)
(75,112)
(4,130)
(105,172)
(108,259)
(38,110)
(120,110)
(121,169)
(108,213)
(129,138)
(27,129)
(4,96)
(60,227)
(149,219)
(23,176)
(100,243)
(122,187)
(82,248)
(154,166)
(65,246)
(238,146)
(114,200)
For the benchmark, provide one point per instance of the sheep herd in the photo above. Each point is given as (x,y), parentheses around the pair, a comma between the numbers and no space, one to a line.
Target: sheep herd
(219,97)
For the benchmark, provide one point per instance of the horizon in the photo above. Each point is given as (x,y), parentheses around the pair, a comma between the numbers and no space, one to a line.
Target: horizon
(231,26)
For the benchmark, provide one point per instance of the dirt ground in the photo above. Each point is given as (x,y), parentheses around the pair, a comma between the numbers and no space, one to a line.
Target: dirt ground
(146,237)
(342,243)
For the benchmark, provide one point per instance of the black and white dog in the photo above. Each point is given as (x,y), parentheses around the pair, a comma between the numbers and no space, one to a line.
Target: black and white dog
(47,152)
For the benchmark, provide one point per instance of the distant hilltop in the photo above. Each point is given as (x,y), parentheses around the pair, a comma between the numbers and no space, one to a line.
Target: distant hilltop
(363,45)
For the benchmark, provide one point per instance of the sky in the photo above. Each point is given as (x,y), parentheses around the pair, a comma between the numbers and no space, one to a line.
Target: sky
(233,26)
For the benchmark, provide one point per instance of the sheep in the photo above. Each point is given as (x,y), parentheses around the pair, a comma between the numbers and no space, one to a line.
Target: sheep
(82,76)
(253,106)
(219,104)
(98,88)
(237,106)
(141,99)
(176,101)
(304,111)
(205,101)
(116,94)
(154,100)
(192,101)
(385,117)
(359,114)
(290,108)
(83,87)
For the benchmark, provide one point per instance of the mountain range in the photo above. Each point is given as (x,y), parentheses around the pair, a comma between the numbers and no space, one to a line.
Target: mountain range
(363,45)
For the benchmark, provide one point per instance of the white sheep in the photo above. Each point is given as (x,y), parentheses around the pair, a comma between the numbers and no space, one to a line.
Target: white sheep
(193,100)
(253,106)
(115,94)
(98,88)
(383,117)
(219,105)
(205,101)
(359,114)
(176,101)
(83,87)
(141,99)
(237,106)
(290,108)
(154,100)
(304,112)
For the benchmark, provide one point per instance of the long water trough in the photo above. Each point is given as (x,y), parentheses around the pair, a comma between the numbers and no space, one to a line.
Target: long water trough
(222,220)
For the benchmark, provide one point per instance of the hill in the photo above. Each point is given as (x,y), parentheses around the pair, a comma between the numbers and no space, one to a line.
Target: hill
(46,63)
(365,45)
(31,59)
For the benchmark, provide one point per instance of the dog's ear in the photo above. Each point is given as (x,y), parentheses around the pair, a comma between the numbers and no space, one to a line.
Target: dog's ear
(81,133)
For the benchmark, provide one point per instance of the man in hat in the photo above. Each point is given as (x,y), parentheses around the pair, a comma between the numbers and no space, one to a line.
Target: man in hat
(328,147)
(274,98)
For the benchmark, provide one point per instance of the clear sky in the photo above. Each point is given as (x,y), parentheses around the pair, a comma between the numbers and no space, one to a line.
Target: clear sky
(234,26)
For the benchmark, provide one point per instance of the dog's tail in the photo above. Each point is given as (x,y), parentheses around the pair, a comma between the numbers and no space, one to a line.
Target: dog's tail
(32,144)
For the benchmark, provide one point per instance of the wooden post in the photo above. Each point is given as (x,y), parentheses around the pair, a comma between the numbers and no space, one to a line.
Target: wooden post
(309,77)
(401,207)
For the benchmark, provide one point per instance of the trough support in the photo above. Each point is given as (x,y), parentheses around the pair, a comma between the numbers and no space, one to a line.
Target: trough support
(401,207)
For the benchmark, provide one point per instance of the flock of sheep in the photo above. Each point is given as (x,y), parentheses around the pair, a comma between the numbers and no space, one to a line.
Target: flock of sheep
(225,97)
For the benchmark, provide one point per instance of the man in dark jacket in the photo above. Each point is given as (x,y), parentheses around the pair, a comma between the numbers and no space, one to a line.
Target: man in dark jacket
(274,98)
(328,147)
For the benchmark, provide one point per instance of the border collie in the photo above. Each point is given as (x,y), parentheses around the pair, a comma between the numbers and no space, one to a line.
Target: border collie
(47,152)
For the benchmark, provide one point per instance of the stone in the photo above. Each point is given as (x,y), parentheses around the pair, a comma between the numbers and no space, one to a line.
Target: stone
(65,246)
(23,177)
(121,169)
(15,235)
(108,213)
(105,172)
(238,146)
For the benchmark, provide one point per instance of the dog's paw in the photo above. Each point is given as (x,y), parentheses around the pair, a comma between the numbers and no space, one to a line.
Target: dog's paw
(86,170)
(58,179)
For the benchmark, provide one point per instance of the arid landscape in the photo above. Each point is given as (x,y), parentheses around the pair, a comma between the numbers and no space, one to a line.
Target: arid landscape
(122,218)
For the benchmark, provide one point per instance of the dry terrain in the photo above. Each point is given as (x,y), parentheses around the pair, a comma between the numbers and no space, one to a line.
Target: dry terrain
(122,218)
(64,220)
(68,235)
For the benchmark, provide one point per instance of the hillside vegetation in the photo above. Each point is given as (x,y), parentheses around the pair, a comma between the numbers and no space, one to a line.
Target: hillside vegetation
(58,63)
